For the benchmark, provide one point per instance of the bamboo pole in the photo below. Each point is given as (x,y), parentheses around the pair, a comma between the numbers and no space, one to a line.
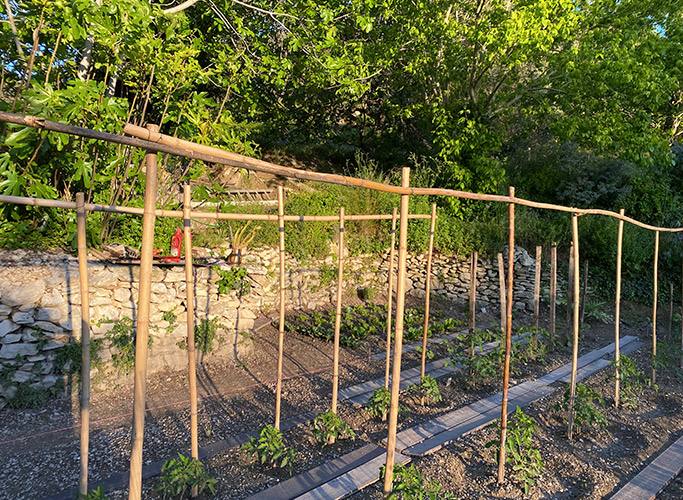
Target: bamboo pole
(189,303)
(654,309)
(537,298)
(157,142)
(473,292)
(508,339)
(570,287)
(337,318)
(617,312)
(501,283)
(575,345)
(85,342)
(671,309)
(389,299)
(584,291)
(281,328)
(142,331)
(428,287)
(553,290)
(398,341)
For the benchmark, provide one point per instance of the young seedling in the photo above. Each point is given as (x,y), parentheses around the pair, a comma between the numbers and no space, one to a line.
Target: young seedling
(328,427)
(270,448)
(180,476)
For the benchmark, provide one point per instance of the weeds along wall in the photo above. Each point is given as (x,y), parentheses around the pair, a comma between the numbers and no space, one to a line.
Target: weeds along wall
(40,308)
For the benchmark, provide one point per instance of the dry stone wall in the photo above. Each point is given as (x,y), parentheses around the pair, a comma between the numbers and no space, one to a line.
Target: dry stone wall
(40,303)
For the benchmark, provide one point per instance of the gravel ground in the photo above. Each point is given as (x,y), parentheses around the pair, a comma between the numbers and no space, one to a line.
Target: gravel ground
(587,468)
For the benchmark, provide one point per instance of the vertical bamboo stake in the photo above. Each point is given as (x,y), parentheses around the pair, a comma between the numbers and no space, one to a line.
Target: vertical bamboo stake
(428,287)
(617,311)
(189,300)
(85,343)
(281,329)
(584,291)
(654,309)
(473,292)
(398,341)
(142,331)
(337,318)
(553,290)
(537,299)
(575,349)
(671,309)
(389,300)
(570,287)
(508,341)
(501,282)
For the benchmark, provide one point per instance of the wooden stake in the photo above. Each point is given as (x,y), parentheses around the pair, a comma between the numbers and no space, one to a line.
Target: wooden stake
(508,340)
(654,309)
(584,291)
(389,300)
(142,331)
(570,287)
(575,349)
(398,341)
(671,309)
(428,288)
(189,303)
(473,291)
(617,312)
(537,299)
(281,329)
(337,318)
(501,282)
(85,342)
(553,290)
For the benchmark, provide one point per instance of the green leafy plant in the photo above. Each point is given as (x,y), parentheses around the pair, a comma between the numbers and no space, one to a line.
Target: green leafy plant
(69,358)
(519,450)
(205,335)
(409,484)
(95,494)
(172,319)
(28,396)
(632,382)
(122,337)
(179,476)
(329,427)
(427,390)
(593,309)
(270,448)
(379,403)
(234,279)
(668,357)
(587,404)
(481,367)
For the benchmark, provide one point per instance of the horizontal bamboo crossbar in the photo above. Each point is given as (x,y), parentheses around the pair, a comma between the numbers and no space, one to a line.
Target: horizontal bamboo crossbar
(152,141)
(94,207)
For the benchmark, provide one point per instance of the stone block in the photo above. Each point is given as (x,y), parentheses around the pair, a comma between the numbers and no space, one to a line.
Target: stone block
(5,310)
(122,295)
(47,326)
(101,278)
(52,298)
(48,314)
(10,338)
(25,295)
(7,326)
(11,351)
(23,317)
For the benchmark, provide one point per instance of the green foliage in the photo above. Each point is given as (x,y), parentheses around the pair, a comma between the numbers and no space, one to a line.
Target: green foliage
(519,450)
(206,333)
(668,357)
(329,427)
(28,396)
(179,476)
(69,358)
(593,309)
(379,403)
(270,448)
(94,494)
(172,319)
(482,367)
(409,484)
(233,279)
(122,336)
(587,404)
(427,389)
(632,382)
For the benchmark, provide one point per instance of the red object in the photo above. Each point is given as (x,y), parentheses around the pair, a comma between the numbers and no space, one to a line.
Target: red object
(176,245)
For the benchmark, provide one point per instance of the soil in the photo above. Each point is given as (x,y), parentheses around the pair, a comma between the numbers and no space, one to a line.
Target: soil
(240,397)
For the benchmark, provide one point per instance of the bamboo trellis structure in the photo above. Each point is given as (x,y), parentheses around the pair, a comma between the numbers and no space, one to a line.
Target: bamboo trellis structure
(152,141)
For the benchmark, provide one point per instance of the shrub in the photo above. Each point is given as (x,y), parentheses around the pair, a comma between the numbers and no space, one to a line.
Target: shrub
(519,451)
(328,427)
(179,476)
(270,448)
